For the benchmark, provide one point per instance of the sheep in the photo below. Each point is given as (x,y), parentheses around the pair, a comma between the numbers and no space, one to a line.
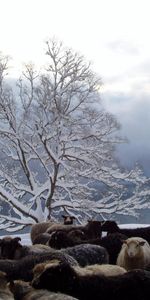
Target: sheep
(42,227)
(61,277)
(109,226)
(12,249)
(87,254)
(112,243)
(140,232)
(112,227)
(44,238)
(5,293)
(68,220)
(22,269)
(91,230)
(24,291)
(61,239)
(77,235)
(39,228)
(134,254)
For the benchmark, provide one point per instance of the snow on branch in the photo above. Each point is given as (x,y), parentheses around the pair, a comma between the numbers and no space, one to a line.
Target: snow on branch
(57,146)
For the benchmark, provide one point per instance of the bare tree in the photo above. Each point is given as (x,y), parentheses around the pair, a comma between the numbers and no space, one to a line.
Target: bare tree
(57,146)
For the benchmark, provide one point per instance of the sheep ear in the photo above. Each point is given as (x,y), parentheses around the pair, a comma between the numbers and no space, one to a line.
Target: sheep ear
(141,243)
(90,220)
(17,239)
(124,241)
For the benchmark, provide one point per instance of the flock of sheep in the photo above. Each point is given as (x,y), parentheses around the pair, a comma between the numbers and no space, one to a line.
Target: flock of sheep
(68,261)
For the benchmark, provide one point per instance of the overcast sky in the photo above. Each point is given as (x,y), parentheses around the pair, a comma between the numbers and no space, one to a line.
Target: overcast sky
(113,34)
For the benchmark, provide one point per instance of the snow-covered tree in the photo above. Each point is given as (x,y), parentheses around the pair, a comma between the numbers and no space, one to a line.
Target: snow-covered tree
(57,146)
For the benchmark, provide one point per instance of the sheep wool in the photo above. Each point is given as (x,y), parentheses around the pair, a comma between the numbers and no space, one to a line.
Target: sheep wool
(134,254)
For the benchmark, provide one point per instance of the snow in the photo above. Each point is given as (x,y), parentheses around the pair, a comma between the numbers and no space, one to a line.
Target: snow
(132,225)
(25,238)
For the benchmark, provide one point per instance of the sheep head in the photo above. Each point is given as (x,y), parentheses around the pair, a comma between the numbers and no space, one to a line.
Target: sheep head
(8,246)
(68,220)
(133,247)
(109,226)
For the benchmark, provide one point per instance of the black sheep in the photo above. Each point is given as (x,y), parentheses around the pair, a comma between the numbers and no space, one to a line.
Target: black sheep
(112,243)
(61,239)
(87,254)
(61,277)
(22,269)
(112,227)
(137,232)
(109,226)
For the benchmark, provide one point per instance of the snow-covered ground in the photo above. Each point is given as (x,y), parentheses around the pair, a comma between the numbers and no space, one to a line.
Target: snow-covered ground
(133,225)
(25,237)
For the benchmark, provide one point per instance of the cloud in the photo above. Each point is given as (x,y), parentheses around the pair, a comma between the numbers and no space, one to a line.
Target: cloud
(124,47)
(133,112)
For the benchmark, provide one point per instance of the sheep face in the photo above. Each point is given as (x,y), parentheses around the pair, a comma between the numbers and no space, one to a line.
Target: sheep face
(68,220)
(133,248)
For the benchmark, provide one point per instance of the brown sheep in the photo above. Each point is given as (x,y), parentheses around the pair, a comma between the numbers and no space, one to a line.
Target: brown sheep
(39,228)
(91,230)
(134,254)
(24,291)
(59,226)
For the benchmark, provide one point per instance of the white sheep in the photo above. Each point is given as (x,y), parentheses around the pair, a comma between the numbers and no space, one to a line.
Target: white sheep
(104,269)
(134,254)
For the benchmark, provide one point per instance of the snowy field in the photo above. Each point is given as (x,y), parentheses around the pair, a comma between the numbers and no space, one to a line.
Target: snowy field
(25,238)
